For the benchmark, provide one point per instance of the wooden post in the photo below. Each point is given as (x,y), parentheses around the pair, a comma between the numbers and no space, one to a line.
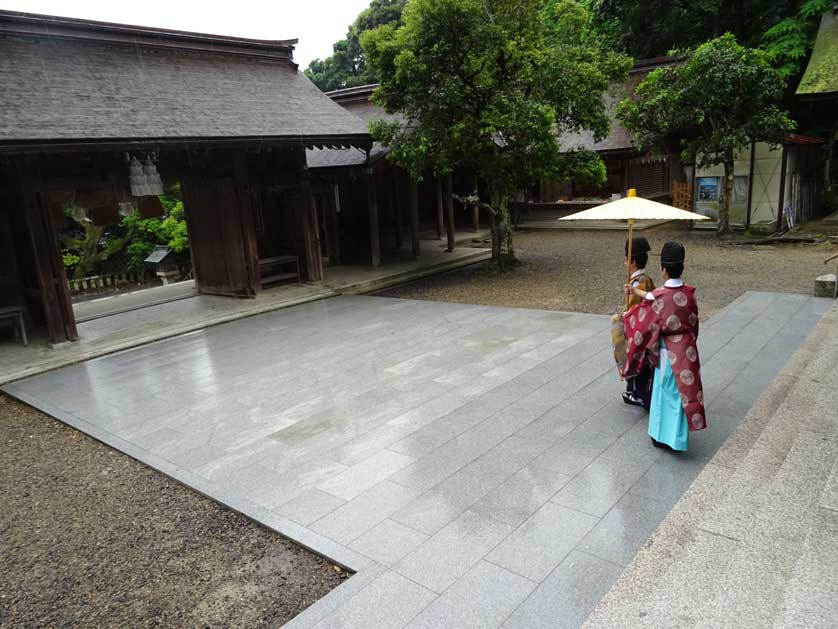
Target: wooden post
(749,206)
(333,209)
(783,167)
(49,268)
(311,231)
(248,226)
(395,199)
(475,218)
(413,209)
(440,210)
(372,208)
(448,198)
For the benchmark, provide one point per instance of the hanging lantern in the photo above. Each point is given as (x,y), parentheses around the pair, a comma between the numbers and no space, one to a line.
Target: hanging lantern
(139,187)
(153,182)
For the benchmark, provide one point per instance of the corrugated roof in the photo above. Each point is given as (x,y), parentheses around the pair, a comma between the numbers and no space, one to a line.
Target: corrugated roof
(821,76)
(100,86)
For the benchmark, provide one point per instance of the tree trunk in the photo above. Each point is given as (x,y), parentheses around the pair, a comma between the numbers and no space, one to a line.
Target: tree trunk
(500,225)
(724,210)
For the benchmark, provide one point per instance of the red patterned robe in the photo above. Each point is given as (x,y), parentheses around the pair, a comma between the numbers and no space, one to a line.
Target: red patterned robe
(674,315)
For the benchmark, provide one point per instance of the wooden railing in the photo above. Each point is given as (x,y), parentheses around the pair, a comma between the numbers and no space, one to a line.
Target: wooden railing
(95,282)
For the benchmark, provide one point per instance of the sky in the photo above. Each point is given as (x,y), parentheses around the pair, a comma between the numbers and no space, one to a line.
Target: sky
(316,23)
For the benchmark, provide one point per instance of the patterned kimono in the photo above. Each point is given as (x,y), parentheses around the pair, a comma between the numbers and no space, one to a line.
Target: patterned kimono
(668,323)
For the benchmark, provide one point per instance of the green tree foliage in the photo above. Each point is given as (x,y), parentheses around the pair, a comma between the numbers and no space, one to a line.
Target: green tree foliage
(347,66)
(790,40)
(489,85)
(88,245)
(143,234)
(651,28)
(719,100)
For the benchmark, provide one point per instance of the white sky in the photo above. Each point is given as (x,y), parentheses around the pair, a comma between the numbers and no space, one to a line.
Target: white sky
(316,23)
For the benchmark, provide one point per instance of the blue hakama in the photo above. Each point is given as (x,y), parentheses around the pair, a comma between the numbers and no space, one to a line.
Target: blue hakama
(667,420)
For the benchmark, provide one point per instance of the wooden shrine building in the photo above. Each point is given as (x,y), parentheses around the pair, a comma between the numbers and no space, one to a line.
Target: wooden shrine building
(397,207)
(83,105)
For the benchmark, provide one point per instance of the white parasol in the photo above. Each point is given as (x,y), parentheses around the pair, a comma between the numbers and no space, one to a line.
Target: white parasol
(633,208)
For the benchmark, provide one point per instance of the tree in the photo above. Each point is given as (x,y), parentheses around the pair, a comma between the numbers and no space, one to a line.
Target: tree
(88,245)
(723,97)
(651,28)
(489,85)
(789,42)
(143,234)
(347,66)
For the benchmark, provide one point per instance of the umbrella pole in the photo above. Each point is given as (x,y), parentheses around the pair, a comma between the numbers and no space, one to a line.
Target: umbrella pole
(628,259)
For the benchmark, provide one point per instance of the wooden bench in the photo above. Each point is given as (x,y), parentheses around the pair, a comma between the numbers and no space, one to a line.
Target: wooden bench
(278,269)
(16,315)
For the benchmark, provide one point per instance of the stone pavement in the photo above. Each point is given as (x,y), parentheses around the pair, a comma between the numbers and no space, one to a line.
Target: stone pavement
(142,317)
(756,536)
(474,465)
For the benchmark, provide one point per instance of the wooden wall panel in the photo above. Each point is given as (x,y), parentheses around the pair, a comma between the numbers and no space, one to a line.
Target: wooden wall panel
(220,253)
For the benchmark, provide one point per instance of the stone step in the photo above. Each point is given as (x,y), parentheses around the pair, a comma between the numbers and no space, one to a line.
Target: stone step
(809,599)
(764,560)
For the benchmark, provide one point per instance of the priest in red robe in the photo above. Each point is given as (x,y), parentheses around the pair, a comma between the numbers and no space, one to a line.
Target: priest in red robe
(661,332)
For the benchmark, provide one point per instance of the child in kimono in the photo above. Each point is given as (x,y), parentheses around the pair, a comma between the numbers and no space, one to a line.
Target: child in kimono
(661,331)
(639,387)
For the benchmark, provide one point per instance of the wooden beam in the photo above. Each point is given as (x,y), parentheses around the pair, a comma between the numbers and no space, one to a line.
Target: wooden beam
(448,198)
(440,210)
(372,209)
(413,209)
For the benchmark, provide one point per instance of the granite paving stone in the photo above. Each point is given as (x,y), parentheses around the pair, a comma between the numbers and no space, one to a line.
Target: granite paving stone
(618,536)
(388,542)
(357,516)
(567,596)
(391,601)
(444,558)
(475,464)
(482,599)
(536,547)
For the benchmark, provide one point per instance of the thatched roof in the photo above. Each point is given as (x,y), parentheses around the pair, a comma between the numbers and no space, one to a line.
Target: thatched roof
(67,82)
(619,139)
(821,77)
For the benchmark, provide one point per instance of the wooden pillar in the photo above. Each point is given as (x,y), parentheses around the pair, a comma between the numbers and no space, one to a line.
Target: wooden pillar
(475,217)
(448,198)
(750,186)
(49,267)
(413,209)
(311,231)
(333,219)
(440,210)
(246,221)
(372,210)
(396,202)
(782,201)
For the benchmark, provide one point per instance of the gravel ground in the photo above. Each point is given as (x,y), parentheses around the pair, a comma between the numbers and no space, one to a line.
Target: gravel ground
(93,538)
(583,271)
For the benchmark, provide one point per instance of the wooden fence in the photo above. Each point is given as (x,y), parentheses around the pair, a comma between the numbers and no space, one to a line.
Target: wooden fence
(96,282)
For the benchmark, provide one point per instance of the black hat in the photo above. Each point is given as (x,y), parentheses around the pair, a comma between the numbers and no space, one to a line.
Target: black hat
(638,245)
(673,253)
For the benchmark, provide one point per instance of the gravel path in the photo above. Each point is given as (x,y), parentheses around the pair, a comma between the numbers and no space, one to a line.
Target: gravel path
(583,271)
(90,537)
